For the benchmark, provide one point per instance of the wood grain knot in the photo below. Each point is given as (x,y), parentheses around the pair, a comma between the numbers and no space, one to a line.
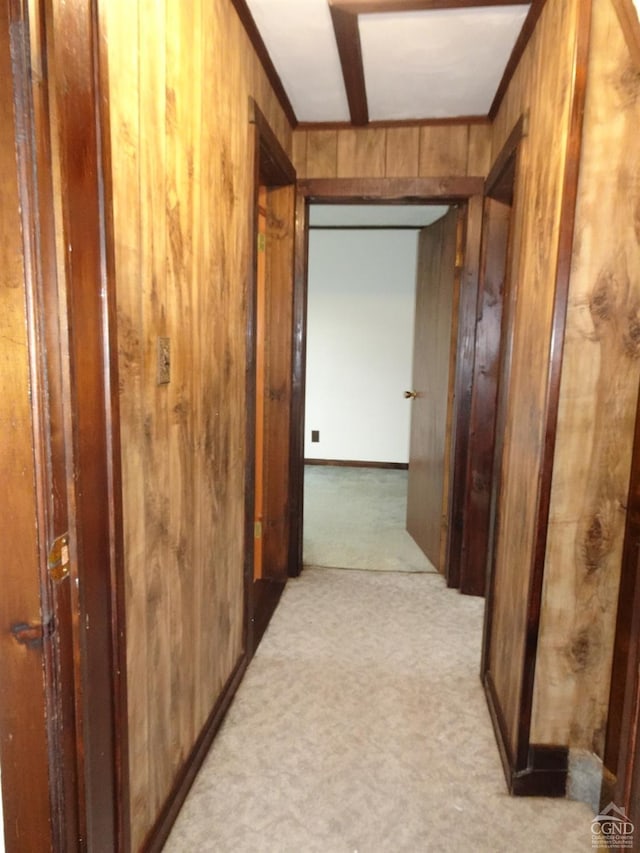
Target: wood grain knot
(632,338)
(580,651)
(601,303)
(627,85)
(597,543)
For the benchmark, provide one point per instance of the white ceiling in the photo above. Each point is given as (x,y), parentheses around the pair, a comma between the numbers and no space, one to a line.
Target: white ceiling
(417,65)
(299,37)
(436,64)
(376,215)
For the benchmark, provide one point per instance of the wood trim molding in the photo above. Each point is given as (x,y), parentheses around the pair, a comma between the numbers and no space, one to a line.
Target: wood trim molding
(547,767)
(352,463)
(520,130)
(363,7)
(516,54)
(347,32)
(550,415)
(623,719)
(630,25)
(396,123)
(246,18)
(400,190)
(298,384)
(275,166)
(159,832)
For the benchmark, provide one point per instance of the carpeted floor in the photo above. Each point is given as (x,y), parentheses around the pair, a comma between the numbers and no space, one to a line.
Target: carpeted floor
(361,726)
(355,518)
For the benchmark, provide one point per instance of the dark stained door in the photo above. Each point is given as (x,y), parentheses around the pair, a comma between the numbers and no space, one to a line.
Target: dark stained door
(436,302)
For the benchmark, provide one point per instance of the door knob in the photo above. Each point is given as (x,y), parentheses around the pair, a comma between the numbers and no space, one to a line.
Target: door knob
(410,395)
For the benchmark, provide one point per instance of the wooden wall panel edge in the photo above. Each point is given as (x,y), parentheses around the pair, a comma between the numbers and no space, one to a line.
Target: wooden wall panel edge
(118,634)
(561,294)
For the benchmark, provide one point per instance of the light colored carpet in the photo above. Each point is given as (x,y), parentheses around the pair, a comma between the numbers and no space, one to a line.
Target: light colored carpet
(361,726)
(355,518)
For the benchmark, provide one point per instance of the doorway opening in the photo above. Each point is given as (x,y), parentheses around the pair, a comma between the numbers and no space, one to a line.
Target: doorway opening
(361,316)
(465,194)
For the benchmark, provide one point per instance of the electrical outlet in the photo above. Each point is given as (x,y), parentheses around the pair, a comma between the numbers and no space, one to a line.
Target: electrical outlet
(315,435)
(164,361)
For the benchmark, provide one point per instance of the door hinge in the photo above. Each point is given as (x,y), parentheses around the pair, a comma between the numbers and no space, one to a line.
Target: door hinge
(59,560)
(257,530)
(262,242)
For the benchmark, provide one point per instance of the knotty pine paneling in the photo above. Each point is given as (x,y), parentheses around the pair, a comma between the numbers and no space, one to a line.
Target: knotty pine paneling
(600,376)
(393,152)
(180,76)
(542,86)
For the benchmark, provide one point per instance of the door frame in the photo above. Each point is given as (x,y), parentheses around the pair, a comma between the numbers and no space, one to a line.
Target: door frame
(466,191)
(272,168)
(61,109)
(621,770)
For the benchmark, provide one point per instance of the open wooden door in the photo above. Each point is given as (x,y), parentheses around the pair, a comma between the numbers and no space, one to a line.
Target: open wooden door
(435,335)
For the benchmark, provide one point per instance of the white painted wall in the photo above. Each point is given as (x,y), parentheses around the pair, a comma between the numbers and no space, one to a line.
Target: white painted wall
(359,343)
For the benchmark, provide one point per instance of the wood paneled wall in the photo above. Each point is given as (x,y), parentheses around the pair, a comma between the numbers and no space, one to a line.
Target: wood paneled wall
(393,152)
(542,87)
(180,76)
(600,375)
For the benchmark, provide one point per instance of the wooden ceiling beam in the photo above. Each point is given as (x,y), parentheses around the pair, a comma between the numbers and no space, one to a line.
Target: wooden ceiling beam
(345,25)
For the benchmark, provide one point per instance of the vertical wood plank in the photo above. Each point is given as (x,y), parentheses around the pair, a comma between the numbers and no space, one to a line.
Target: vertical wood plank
(443,150)
(361,153)
(479,153)
(182,129)
(322,154)
(152,110)
(122,35)
(402,152)
(299,152)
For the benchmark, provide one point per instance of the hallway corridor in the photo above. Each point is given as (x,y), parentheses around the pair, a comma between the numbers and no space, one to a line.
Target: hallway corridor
(361,726)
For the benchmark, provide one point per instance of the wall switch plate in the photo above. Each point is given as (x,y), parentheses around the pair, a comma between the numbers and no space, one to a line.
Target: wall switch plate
(315,435)
(164,361)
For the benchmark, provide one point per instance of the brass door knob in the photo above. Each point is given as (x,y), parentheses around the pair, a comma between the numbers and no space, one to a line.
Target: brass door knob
(410,395)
